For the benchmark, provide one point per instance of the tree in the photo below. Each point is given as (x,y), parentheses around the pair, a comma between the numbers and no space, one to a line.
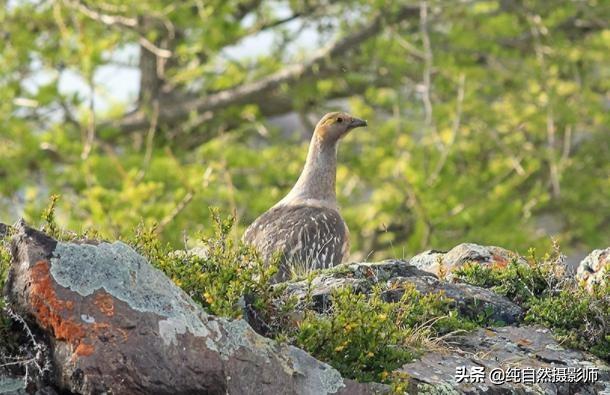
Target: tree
(489,119)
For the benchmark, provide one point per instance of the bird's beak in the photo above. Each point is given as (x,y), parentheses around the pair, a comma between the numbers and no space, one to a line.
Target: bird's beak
(356,123)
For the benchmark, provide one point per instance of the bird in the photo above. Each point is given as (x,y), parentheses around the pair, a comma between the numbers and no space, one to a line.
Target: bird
(305,230)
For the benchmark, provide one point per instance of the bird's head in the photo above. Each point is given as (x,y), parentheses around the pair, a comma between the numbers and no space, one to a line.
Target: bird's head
(335,125)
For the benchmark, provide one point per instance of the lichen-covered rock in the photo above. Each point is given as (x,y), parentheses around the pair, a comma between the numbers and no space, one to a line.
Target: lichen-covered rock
(595,268)
(361,277)
(526,349)
(118,325)
(443,264)
(3,230)
(12,385)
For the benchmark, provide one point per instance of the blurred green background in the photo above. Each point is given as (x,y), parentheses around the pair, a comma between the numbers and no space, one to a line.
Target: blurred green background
(489,121)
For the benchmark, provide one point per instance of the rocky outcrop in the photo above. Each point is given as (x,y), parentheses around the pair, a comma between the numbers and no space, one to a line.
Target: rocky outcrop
(114,324)
(516,360)
(361,277)
(118,325)
(443,264)
(595,268)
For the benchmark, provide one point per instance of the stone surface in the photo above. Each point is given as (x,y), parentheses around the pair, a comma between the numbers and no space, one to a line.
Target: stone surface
(443,264)
(526,347)
(118,325)
(471,300)
(12,385)
(595,268)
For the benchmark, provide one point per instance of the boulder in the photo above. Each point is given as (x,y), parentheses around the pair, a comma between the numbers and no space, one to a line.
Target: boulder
(12,385)
(513,354)
(443,264)
(361,277)
(595,268)
(117,325)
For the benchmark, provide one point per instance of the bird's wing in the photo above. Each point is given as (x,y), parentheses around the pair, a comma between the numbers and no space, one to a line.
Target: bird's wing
(305,234)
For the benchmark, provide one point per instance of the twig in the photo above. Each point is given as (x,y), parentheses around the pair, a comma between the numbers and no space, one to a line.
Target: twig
(423,27)
(124,22)
(40,360)
(104,18)
(175,212)
(454,130)
(158,52)
(90,137)
(150,139)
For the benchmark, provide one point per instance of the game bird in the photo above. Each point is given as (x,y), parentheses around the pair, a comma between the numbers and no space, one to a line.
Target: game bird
(305,229)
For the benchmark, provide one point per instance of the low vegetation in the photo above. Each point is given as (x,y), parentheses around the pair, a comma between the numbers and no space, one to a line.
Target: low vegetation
(552,298)
(366,338)
(363,336)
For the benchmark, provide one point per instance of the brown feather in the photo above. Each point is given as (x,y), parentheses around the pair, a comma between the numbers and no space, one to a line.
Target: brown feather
(306,237)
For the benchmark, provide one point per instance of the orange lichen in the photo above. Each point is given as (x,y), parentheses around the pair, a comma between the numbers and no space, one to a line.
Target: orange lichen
(48,308)
(499,261)
(84,350)
(57,315)
(105,303)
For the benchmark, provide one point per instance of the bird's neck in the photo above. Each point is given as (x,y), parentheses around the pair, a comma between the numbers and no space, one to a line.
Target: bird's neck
(316,183)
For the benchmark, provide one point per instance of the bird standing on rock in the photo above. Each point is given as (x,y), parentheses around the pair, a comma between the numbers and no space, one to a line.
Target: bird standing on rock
(305,227)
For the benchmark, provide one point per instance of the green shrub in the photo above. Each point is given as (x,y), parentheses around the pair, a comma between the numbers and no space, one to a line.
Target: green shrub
(219,275)
(5,261)
(365,337)
(551,298)
(518,281)
(579,319)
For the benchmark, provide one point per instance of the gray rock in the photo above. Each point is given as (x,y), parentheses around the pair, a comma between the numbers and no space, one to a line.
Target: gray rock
(595,268)
(118,325)
(524,348)
(12,385)
(443,264)
(361,277)
(3,230)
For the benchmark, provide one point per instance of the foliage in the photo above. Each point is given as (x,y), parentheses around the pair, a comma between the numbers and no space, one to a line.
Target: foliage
(366,338)
(219,274)
(551,298)
(518,281)
(487,117)
(5,260)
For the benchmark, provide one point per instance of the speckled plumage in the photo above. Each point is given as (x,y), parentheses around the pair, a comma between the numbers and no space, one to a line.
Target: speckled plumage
(307,237)
(305,227)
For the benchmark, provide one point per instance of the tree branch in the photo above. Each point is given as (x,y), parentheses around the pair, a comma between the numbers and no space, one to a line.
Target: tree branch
(177,110)
(106,19)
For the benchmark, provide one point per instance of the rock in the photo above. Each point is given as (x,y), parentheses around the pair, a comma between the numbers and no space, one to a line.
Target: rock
(595,268)
(12,385)
(118,325)
(523,348)
(361,277)
(443,264)
(4,228)
(16,385)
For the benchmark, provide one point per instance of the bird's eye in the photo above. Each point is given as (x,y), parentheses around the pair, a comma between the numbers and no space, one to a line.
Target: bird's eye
(339,119)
